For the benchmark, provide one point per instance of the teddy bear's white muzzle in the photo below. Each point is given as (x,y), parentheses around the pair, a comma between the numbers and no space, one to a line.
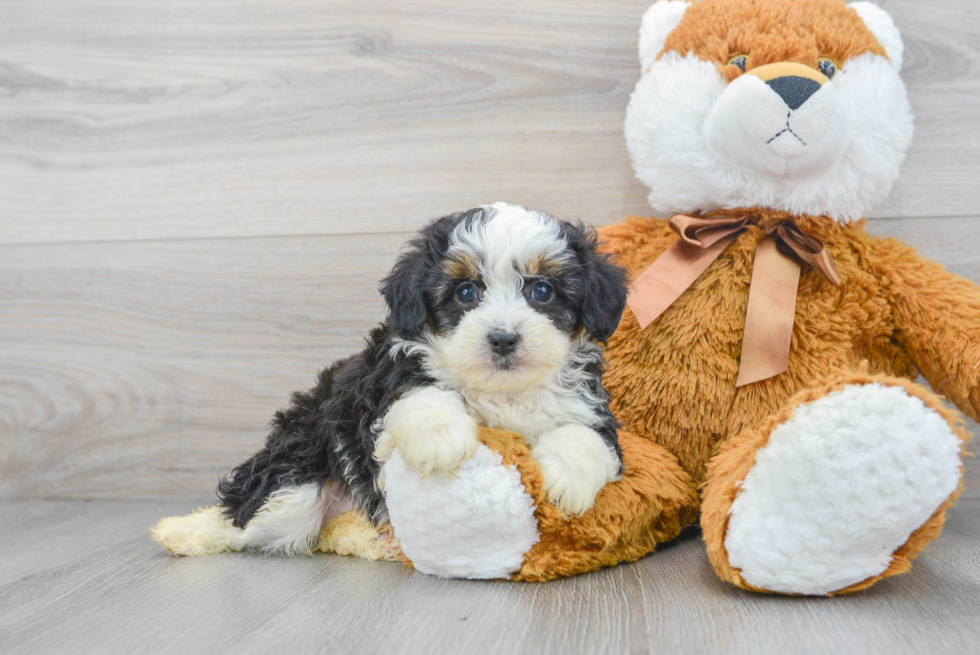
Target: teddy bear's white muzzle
(786,127)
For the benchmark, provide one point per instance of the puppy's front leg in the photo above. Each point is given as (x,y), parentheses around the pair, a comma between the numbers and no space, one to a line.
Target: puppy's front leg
(576,464)
(431,429)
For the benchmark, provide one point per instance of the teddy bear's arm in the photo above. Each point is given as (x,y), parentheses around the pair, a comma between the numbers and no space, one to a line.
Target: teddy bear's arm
(937,320)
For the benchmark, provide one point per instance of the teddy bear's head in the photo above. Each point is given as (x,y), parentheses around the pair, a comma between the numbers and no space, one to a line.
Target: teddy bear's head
(793,105)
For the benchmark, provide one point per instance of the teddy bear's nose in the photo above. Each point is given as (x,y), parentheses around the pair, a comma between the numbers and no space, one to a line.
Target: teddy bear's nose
(794,90)
(794,83)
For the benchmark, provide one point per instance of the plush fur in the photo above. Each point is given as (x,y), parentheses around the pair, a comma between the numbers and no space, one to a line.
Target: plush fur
(737,458)
(483,508)
(856,130)
(649,505)
(494,318)
(894,310)
(843,529)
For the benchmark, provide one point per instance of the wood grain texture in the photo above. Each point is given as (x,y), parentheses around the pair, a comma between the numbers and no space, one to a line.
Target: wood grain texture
(90,580)
(148,369)
(123,120)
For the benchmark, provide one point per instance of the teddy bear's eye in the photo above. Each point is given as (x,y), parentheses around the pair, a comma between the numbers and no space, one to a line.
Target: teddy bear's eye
(827,67)
(738,60)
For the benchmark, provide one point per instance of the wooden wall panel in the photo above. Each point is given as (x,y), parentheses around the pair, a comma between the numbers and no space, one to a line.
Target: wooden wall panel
(146,369)
(126,120)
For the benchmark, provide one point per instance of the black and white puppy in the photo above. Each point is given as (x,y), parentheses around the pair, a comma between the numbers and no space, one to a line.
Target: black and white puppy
(495,318)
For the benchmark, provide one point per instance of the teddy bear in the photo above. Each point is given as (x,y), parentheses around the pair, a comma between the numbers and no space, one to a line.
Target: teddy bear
(764,371)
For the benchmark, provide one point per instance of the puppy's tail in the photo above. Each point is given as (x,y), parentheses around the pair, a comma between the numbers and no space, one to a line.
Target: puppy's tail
(288,523)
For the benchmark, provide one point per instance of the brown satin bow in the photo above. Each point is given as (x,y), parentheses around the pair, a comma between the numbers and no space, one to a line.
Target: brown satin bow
(772,291)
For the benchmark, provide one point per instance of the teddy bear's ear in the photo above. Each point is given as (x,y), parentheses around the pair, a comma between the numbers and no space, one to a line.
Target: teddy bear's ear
(883,27)
(659,21)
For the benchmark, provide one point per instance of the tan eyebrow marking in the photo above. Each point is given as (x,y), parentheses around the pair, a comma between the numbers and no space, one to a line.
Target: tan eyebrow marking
(542,266)
(462,267)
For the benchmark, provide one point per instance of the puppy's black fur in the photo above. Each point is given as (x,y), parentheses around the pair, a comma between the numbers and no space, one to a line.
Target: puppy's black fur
(415,286)
(326,433)
(603,284)
(330,432)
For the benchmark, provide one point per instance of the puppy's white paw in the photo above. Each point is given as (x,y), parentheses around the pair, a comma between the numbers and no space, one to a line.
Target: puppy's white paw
(431,429)
(576,464)
(205,532)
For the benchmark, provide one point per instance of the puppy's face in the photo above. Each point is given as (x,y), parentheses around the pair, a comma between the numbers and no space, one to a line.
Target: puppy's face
(500,295)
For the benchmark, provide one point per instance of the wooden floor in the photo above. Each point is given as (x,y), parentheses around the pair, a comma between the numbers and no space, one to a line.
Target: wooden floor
(84,577)
(197,199)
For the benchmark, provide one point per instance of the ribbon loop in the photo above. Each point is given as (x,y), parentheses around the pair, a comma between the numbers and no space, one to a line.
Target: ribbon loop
(772,293)
(702,242)
(706,232)
(808,248)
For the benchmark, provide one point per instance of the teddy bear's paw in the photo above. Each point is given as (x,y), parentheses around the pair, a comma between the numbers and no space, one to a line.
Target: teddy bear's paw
(576,464)
(478,523)
(838,488)
(431,429)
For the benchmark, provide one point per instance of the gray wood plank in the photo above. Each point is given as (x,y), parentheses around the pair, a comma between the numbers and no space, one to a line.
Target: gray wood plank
(125,595)
(953,242)
(146,370)
(149,369)
(38,534)
(178,119)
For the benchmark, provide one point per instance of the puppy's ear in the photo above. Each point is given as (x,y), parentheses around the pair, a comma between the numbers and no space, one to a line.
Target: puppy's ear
(404,294)
(404,287)
(604,284)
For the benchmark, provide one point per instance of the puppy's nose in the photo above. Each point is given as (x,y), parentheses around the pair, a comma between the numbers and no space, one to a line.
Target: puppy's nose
(794,83)
(503,343)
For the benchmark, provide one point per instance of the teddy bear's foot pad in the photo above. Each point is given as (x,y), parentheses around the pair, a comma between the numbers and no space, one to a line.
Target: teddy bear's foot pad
(477,522)
(838,488)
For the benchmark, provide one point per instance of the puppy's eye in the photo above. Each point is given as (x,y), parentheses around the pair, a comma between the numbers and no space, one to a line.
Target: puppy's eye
(467,294)
(542,292)
(738,60)
(827,67)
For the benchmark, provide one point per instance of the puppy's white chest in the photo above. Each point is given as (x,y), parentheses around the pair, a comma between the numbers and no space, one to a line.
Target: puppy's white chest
(529,414)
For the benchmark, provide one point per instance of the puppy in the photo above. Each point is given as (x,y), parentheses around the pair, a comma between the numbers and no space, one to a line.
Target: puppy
(495,318)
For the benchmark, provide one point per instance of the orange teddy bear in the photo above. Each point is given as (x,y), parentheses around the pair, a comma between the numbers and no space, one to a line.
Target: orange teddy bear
(777,124)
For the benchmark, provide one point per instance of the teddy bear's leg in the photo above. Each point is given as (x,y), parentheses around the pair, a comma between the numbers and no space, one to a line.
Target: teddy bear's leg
(492,517)
(477,522)
(839,489)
